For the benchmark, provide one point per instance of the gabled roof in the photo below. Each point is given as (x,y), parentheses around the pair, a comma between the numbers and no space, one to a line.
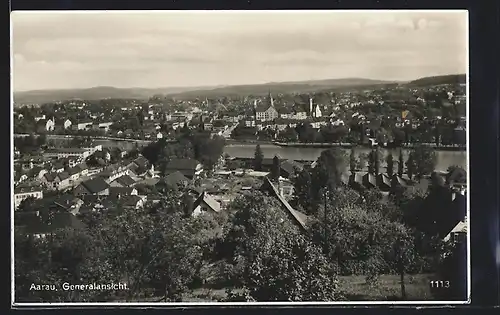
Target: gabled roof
(129,201)
(290,166)
(61,220)
(26,189)
(209,201)
(95,185)
(298,217)
(182,164)
(50,177)
(369,179)
(120,190)
(73,171)
(175,178)
(63,175)
(125,180)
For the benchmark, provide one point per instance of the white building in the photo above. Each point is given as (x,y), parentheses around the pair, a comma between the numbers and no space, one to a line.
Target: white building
(22,193)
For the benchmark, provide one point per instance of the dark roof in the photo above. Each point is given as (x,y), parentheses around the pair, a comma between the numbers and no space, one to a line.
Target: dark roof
(369,179)
(35,225)
(63,175)
(175,178)
(209,201)
(74,170)
(298,217)
(141,162)
(130,201)
(26,189)
(95,185)
(120,190)
(290,166)
(182,164)
(125,180)
(285,110)
(50,176)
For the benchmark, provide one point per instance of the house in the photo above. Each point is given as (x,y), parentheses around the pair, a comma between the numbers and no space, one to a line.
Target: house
(289,168)
(384,182)
(113,172)
(122,191)
(297,217)
(132,201)
(205,203)
(67,124)
(62,181)
(74,173)
(285,113)
(60,153)
(175,180)
(266,111)
(36,225)
(84,125)
(299,112)
(369,180)
(23,193)
(95,186)
(123,181)
(458,234)
(190,168)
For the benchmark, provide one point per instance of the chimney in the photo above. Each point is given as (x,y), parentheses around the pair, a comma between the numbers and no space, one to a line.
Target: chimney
(311,106)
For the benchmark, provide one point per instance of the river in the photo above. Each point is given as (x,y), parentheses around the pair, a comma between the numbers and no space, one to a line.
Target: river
(444,158)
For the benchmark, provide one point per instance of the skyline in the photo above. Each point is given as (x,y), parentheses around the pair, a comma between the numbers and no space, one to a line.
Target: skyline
(141,50)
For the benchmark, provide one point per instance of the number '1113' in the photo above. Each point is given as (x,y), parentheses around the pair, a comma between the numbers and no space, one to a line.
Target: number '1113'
(440,284)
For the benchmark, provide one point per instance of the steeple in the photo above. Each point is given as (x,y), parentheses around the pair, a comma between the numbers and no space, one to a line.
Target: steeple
(271,101)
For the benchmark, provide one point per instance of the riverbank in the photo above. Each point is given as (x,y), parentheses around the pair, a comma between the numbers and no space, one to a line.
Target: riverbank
(350,145)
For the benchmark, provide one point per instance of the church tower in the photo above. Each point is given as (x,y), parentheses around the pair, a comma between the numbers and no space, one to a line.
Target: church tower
(271,100)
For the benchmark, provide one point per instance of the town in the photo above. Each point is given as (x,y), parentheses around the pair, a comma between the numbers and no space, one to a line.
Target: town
(146,192)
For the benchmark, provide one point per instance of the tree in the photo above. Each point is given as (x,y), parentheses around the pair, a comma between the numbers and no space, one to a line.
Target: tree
(410,165)
(352,161)
(390,164)
(303,195)
(424,160)
(400,163)
(276,262)
(374,158)
(258,158)
(292,269)
(331,164)
(275,169)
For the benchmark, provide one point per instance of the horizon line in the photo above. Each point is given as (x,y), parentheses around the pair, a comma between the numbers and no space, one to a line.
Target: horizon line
(230,85)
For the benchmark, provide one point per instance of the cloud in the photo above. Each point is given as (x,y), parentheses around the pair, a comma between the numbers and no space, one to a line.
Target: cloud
(203,48)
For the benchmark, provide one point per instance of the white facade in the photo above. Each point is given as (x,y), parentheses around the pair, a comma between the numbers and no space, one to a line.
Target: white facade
(19,197)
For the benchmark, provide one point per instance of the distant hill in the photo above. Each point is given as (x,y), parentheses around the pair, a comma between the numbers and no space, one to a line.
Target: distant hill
(283,87)
(102,92)
(95,93)
(438,80)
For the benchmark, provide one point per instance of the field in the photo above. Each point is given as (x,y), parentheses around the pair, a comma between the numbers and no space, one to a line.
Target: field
(355,288)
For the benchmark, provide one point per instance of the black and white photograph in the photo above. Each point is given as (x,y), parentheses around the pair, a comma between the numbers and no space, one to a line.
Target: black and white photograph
(240,157)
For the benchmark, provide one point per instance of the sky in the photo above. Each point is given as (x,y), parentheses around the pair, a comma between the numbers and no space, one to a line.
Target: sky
(63,50)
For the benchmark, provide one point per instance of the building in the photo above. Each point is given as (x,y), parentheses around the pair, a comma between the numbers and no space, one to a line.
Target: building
(190,168)
(61,153)
(23,193)
(266,111)
(67,124)
(314,109)
(95,186)
(205,204)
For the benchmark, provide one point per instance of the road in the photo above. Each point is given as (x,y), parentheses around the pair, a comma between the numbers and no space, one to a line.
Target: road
(68,137)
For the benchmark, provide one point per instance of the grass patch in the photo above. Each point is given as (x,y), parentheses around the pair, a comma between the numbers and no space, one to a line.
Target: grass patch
(387,288)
